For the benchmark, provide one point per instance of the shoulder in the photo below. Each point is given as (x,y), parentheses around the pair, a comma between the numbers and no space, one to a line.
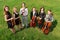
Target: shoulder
(46,14)
(26,8)
(8,12)
(21,8)
(5,16)
(43,12)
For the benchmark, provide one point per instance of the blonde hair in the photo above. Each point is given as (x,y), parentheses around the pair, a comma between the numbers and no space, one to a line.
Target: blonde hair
(14,9)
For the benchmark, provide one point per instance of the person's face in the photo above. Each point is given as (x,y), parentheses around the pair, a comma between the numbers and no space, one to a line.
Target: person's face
(14,9)
(34,9)
(49,12)
(42,9)
(23,5)
(6,9)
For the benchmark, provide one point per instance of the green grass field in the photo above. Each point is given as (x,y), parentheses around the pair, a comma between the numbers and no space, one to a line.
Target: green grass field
(30,33)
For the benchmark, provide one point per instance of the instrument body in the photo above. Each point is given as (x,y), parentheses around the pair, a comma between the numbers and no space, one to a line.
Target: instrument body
(32,22)
(46,27)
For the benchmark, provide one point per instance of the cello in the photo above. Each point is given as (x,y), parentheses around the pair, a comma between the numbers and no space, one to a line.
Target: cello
(46,27)
(32,22)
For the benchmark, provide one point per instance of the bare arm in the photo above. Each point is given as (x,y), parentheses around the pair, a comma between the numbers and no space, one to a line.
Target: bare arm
(14,17)
(6,18)
(17,17)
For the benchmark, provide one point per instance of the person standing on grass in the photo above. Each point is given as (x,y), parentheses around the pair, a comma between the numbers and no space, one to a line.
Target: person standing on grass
(42,16)
(9,19)
(24,13)
(17,18)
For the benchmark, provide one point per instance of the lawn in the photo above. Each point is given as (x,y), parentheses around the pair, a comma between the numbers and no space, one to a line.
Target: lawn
(31,33)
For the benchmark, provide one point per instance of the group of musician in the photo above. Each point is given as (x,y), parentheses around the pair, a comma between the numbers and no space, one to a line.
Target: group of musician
(43,20)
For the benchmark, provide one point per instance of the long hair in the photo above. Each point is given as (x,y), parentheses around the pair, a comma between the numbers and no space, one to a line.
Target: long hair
(5,12)
(43,9)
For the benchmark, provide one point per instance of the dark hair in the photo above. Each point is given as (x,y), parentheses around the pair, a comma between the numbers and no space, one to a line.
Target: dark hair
(43,9)
(5,7)
(5,10)
(33,7)
(24,3)
(51,12)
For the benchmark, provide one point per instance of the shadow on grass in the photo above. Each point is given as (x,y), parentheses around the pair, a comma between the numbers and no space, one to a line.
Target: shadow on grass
(53,25)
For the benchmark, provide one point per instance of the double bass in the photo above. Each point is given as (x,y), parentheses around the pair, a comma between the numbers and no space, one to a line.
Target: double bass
(32,22)
(46,27)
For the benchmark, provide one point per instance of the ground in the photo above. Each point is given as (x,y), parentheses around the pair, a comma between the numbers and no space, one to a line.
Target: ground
(31,33)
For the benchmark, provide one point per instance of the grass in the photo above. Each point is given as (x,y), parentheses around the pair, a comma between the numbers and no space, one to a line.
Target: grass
(31,33)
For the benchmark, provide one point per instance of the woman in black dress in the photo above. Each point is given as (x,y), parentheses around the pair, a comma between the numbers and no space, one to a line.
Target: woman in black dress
(42,16)
(8,18)
(17,18)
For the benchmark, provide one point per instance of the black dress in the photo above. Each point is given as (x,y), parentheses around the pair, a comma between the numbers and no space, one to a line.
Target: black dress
(9,22)
(17,21)
(42,15)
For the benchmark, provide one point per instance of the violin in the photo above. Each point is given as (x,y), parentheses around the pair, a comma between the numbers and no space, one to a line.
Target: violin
(46,27)
(32,22)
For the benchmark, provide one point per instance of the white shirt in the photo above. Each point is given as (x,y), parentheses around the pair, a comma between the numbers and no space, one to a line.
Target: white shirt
(49,18)
(24,11)
(33,13)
